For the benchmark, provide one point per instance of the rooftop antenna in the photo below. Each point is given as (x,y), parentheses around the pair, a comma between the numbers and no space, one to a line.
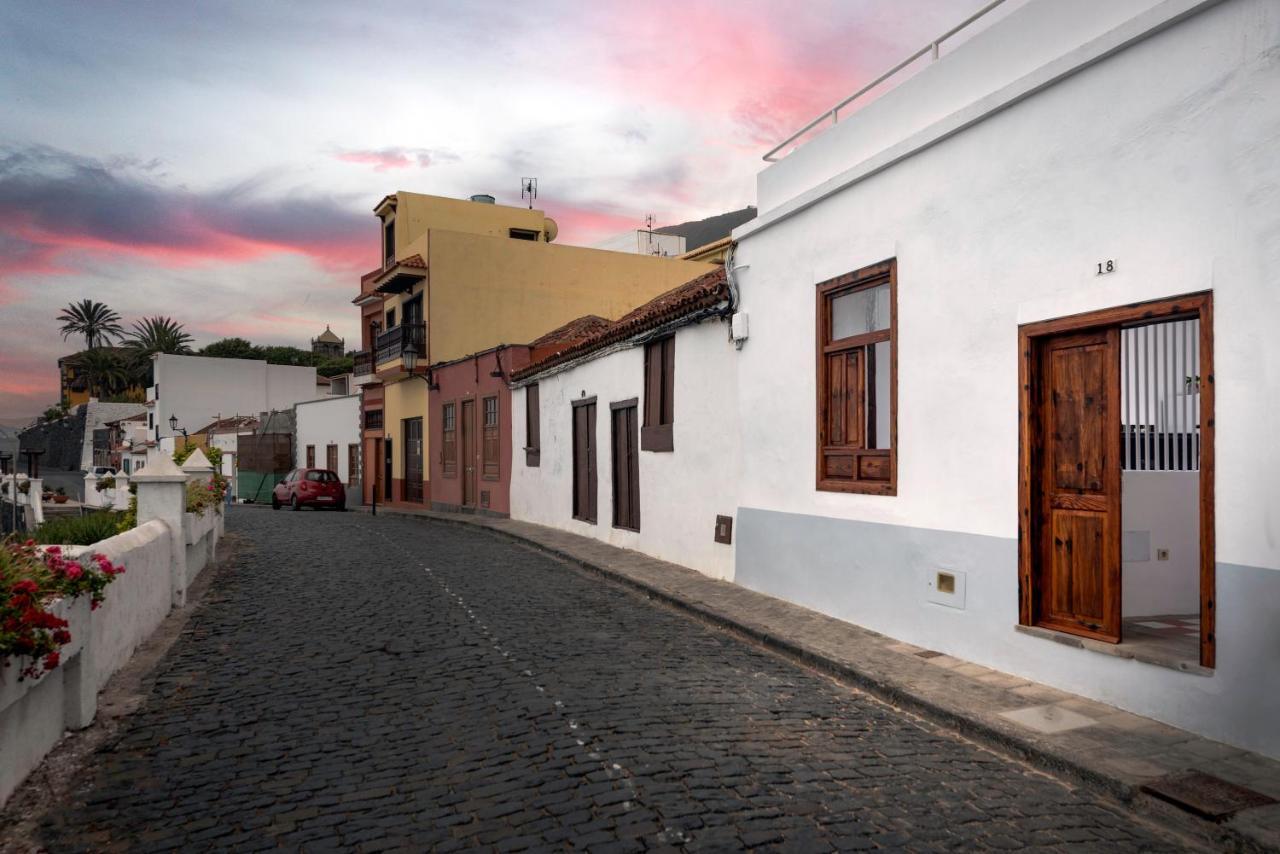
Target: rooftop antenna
(529,190)
(648,230)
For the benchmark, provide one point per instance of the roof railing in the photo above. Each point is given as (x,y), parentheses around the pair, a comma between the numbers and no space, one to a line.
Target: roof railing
(834,113)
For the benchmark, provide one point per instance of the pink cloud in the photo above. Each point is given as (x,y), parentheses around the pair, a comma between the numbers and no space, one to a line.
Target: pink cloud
(386,159)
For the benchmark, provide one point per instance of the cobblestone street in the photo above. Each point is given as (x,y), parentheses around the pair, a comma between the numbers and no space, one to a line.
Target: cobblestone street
(376,683)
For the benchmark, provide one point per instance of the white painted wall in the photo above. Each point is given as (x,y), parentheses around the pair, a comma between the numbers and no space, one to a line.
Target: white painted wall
(199,389)
(681,492)
(137,601)
(1161,157)
(1162,508)
(324,422)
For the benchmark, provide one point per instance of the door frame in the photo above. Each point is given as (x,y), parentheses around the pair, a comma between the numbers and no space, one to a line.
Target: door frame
(1199,305)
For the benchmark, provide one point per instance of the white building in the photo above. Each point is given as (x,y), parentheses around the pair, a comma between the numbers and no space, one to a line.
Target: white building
(624,436)
(198,389)
(944,362)
(328,436)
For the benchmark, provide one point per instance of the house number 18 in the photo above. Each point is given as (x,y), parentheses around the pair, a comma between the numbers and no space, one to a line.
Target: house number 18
(1105,267)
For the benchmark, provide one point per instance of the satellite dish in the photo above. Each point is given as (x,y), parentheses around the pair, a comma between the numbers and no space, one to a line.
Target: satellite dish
(550,229)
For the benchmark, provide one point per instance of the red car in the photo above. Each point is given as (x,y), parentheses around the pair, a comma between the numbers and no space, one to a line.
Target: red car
(314,487)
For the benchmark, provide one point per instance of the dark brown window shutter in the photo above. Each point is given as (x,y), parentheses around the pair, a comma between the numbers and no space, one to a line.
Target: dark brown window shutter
(532,427)
(659,395)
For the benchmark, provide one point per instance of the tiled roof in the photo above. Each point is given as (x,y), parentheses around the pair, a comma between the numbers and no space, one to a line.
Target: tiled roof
(575,330)
(707,291)
(235,422)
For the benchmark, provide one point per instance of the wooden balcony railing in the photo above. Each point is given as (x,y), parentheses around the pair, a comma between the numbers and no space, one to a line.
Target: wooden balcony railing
(392,343)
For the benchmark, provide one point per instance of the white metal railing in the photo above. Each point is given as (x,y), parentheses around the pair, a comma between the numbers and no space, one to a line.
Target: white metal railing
(1160,396)
(834,112)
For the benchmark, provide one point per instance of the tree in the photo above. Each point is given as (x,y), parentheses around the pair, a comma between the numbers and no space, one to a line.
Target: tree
(159,334)
(94,320)
(104,369)
(231,348)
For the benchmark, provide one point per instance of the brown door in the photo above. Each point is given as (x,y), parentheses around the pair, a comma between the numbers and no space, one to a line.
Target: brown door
(584,460)
(413,476)
(469,453)
(626,467)
(1078,525)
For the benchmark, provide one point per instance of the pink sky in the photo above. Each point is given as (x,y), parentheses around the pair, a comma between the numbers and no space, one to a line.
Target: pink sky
(224,174)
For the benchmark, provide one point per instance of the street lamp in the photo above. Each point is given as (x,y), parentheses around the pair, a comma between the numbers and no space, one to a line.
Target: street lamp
(173,425)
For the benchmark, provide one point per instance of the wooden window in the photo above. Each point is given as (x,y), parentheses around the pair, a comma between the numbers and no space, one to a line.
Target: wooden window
(659,394)
(331,458)
(584,460)
(858,381)
(353,463)
(389,242)
(311,456)
(449,439)
(391,318)
(626,465)
(373,419)
(491,461)
(532,427)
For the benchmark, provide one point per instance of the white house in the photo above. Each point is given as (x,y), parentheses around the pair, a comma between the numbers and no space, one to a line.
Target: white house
(1008,389)
(196,390)
(626,436)
(327,435)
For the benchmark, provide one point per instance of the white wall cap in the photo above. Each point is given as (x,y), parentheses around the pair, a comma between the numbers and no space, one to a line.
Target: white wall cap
(160,468)
(197,462)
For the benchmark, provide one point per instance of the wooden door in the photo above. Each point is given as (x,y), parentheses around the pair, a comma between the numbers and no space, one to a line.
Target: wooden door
(387,490)
(413,459)
(584,460)
(626,466)
(1078,526)
(469,453)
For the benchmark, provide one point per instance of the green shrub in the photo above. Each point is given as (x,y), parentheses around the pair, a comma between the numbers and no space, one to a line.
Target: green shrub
(78,530)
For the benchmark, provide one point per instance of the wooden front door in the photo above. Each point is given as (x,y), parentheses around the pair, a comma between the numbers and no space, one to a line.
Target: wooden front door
(1076,461)
(469,453)
(413,459)
(626,466)
(584,460)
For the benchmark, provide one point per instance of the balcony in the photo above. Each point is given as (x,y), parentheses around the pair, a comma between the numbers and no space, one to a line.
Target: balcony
(362,368)
(391,345)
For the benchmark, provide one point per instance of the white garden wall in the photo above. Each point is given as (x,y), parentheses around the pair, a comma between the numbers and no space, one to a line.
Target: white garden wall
(682,491)
(1160,157)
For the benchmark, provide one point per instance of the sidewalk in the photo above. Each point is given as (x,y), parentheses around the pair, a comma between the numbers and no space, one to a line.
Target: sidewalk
(1130,756)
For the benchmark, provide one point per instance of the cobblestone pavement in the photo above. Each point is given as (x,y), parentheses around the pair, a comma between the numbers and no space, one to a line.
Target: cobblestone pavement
(370,684)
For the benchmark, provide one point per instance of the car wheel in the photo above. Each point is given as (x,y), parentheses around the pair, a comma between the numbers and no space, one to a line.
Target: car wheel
(294,505)
(275,502)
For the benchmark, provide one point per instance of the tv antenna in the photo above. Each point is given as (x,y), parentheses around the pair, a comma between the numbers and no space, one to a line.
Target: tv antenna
(648,230)
(529,190)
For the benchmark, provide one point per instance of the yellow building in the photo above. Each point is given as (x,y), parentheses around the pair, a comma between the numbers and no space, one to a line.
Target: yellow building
(459,277)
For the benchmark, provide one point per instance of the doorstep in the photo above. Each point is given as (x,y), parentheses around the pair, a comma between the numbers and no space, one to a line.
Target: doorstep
(1126,754)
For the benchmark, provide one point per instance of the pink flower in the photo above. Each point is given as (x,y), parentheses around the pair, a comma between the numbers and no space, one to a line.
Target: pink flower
(54,550)
(72,570)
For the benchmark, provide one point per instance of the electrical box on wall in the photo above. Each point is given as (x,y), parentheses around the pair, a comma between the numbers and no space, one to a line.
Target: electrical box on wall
(946,587)
(724,529)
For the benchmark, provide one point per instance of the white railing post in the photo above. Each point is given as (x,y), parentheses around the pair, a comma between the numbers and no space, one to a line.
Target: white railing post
(162,495)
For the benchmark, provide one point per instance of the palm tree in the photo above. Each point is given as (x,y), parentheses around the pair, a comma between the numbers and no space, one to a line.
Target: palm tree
(94,320)
(104,370)
(159,334)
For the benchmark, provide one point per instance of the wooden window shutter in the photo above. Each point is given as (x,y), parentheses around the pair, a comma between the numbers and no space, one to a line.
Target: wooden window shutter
(584,460)
(331,458)
(625,458)
(489,450)
(311,456)
(659,395)
(449,440)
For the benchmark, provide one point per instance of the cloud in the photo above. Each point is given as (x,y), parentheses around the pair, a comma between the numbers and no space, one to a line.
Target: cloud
(56,206)
(386,159)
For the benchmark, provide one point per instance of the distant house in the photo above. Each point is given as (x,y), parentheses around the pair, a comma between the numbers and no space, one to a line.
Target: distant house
(327,436)
(628,435)
(472,418)
(190,392)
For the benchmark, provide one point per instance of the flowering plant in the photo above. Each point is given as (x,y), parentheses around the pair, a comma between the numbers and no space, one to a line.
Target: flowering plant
(105,483)
(30,579)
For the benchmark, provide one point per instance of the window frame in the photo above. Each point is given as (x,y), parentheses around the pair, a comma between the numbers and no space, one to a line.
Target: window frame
(449,439)
(388,241)
(353,462)
(490,439)
(658,431)
(311,456)
(532,425)
(875,275)
(331,457)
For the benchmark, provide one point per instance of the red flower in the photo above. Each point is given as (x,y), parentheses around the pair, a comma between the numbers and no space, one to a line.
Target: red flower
(51,660)
(26,585)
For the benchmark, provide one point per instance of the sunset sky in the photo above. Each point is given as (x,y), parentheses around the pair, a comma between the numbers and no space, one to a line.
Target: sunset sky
(218,162)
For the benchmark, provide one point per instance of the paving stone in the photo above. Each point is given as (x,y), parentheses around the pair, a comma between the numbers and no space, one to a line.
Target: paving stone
(330,691)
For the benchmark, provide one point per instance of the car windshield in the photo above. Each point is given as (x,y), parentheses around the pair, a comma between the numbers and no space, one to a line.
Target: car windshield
(322,476)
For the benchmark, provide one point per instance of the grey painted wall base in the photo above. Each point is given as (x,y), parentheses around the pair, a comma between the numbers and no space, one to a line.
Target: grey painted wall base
(884,577)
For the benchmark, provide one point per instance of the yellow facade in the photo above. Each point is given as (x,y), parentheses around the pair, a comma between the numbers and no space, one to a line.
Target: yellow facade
(482,287)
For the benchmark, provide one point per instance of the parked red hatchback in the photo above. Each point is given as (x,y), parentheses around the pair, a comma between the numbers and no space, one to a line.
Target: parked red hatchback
(309,487)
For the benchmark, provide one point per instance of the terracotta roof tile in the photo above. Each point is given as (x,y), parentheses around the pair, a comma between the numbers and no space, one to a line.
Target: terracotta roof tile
(707,291)
(575,330)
